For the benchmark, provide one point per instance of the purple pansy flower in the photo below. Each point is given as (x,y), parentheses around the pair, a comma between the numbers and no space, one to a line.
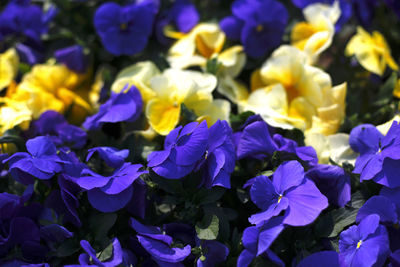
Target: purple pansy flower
(219,159)
(24,18)
(183,148)
(109,194)
(379,155)
(289,191)
(183,14)
(322,258)
(73,57)
(125,30)
(258,24)
(125,106)
(257,240)
(41,162)
(333,182)
(256,141)
(159,245)
(112,157)
(366,244)
(59,130)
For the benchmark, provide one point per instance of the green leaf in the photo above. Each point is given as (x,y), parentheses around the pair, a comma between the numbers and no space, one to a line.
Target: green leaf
(346,216)
(208,228)
(67,248)
(102,223)
(386,91)
(106,253)
(212,66)
(206,196)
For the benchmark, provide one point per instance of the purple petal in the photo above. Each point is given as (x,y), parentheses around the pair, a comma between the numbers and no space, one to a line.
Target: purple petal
(109,203)
(305,204)
(378,205)
(288,175)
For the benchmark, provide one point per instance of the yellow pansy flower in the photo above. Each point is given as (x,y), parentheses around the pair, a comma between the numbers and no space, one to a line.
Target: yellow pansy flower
(9,61)
(335,147)
(315,34)
(290,93)
(13,113)
(58,88)
(203,42)
(173,88)
(371,51)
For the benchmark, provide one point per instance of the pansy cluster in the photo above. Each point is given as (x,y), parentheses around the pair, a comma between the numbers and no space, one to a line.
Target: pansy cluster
(199,133)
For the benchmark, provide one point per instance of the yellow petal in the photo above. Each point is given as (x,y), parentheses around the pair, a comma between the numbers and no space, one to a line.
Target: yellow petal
(232,89)
(162,116)
(233,60)
(218,109)
(9,61)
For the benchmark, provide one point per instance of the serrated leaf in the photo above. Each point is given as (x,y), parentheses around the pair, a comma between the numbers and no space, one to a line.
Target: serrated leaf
(208,229)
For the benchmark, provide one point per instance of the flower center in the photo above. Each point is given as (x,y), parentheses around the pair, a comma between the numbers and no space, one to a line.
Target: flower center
(280,198)
(206,155)
(123,26)
(359,244)
(259,28)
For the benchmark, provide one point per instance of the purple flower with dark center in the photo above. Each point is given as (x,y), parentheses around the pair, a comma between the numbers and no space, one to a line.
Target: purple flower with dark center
(125,106)
(112,157)
(73,57)
(255,140)
(257,240)
(112,193)
(183,15)
(125,30)
(219,158)
(183,148)
(41,162)
(333,182)
(323,258)
(159,245)
(24,18)
(289,191)
(59,130)
(366,244)
(258,24)
(379,155)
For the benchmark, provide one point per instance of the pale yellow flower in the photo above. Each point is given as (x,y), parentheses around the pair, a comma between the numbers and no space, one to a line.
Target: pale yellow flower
(203,42)
(292,93)
(335,147)
(9,61)
(176,87)
(138,75)
(315,34)
(371,51)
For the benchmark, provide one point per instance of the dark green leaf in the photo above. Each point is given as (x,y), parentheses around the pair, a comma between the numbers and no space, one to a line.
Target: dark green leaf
(208,228)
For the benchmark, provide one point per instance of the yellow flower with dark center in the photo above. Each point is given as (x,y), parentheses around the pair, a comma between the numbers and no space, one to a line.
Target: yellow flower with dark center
(371,51)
